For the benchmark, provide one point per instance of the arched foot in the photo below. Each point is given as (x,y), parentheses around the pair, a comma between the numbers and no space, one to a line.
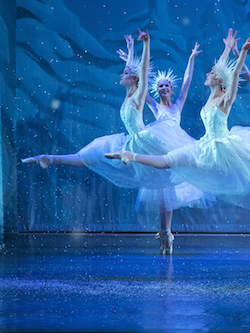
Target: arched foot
(43,160)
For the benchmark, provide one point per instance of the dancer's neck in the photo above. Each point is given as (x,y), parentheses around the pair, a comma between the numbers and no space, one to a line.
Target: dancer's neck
(130,91)
(215,93)
(166,102)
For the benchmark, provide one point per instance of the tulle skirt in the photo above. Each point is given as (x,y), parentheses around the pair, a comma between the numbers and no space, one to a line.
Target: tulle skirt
(157,138)
(220,166)
(132,175)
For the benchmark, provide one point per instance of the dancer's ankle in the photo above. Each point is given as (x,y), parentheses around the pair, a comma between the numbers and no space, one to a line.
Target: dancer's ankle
(51,159)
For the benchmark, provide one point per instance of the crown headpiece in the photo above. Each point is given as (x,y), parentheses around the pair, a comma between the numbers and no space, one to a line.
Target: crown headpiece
(169,76)
(135,66)
(223,71)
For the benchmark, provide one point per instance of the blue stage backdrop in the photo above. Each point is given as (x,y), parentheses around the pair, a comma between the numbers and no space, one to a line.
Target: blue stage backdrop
(68,93)
(8,173)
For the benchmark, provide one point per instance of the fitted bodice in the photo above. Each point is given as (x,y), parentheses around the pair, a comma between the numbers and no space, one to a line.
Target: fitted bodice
(215,122)
(171,114)
(132,119)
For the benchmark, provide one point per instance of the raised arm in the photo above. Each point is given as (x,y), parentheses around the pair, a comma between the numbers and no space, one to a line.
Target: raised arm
(231,92)
(181,99)
(229,43)
(130,47)
(152,104)
(244,67)
(140,95)
(128,57)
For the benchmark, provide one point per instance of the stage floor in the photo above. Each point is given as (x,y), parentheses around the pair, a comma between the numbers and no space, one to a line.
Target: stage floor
(120,283)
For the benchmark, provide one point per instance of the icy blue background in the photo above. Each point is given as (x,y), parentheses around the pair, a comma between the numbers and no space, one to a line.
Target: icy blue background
(8,173)
(68,93)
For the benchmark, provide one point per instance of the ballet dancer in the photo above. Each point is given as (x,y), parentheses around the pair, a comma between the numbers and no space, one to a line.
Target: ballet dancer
(135,79)
(219,162)
(167,127)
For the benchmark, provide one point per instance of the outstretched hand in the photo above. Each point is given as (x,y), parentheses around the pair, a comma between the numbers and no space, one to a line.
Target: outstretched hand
(130,41)
(230,40)
(123,55)
(235,50)
(246,45)
(143,35)
(196,50)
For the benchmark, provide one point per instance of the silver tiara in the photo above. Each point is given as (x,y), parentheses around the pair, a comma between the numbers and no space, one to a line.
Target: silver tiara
(169,76)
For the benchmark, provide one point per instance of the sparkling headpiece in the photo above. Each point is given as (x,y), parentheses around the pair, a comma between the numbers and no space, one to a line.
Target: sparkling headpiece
(135,66)
(169,76)
(223,71)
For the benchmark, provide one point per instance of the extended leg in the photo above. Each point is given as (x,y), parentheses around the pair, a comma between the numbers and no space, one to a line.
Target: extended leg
(156,161)
(45,160)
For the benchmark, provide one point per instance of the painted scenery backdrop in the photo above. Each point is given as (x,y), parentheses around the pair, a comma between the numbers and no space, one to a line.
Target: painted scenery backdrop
(63,91)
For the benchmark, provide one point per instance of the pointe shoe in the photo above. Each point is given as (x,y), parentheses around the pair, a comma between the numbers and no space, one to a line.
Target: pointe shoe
(43,160)
(166,241)
(113,156)
(28,160)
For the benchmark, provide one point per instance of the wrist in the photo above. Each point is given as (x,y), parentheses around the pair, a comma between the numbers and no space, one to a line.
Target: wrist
(133,157)
(228,45)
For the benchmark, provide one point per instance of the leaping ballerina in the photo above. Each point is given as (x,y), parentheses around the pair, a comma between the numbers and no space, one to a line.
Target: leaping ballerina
(135,79)
(219,162)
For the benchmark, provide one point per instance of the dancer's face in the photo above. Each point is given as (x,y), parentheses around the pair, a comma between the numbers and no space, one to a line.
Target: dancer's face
(164,88)
(127,79)
(211,79)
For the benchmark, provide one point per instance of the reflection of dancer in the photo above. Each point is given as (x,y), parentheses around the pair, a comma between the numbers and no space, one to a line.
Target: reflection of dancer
(218,162)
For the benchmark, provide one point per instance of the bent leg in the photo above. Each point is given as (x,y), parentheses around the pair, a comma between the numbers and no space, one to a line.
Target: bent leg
(46,160)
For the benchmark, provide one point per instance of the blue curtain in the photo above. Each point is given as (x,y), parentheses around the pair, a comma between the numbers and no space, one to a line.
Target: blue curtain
(68,93)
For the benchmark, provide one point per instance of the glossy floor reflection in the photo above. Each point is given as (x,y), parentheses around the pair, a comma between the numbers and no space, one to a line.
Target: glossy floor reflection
(119,283)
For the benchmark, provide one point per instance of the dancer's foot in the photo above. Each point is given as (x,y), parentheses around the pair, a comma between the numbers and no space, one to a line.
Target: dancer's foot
(43,160)
(125,156)
(166,241)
